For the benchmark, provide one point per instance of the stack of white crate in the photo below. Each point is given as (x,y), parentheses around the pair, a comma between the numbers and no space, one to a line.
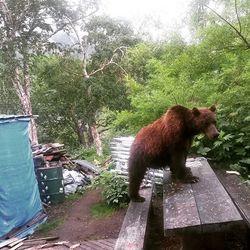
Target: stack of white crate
(120,149)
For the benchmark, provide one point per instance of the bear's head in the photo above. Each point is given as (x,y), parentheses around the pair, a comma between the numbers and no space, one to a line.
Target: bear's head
(204,121)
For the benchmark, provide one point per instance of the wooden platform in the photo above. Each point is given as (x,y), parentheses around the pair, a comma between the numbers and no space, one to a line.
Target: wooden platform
(133,232)
(239,193)
(203,207)
(105,244)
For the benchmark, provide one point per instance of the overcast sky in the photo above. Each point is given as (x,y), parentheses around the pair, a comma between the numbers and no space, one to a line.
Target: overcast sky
(156,16)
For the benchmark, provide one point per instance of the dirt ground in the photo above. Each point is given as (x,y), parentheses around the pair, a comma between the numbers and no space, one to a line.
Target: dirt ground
(80,225)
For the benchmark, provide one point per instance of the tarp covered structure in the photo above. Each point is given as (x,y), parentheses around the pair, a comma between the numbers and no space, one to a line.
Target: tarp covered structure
(19,195)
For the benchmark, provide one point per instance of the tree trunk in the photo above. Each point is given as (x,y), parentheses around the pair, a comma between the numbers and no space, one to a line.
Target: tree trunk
(97,140)
(90,139)
(80,133)
(22,83)
(23,92)
(33,132)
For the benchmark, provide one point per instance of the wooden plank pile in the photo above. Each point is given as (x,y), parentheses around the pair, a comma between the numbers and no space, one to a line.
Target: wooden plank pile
(49,243)
(120,150)
(26,243)
(77,173)
(51,154)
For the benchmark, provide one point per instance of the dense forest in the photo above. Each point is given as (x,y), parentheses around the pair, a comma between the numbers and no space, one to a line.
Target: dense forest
(89,77)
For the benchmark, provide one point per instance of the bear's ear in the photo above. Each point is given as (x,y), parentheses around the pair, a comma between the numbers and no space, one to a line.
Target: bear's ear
(213,108)
(196,111)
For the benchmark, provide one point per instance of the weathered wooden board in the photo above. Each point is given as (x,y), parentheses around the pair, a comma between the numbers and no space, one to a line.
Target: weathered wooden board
(132,233)
(180,211)
(105,244)
(239,193)
(7,242)
(201,207)
(216,209)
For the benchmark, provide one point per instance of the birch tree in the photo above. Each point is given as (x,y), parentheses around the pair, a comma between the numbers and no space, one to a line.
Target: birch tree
(27,29)
(72,94)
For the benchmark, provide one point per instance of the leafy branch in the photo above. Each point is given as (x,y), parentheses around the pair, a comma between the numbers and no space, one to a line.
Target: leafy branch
(237,31)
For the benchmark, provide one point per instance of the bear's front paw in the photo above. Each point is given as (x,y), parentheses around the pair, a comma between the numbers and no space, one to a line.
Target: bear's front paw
(137,199)
(190,179)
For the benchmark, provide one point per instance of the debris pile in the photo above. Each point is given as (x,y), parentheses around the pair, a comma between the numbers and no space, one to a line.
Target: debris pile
(49,243)
(76,173)
(35,244)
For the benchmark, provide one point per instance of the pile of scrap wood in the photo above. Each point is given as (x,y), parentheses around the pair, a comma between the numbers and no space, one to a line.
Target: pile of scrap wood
(50,154)
(35,244)
(76,173)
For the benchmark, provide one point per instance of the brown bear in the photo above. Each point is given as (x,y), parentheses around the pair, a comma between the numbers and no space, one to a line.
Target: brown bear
(167,142)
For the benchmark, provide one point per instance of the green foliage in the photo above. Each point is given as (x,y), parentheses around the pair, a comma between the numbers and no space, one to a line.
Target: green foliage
(75,196)
(114,188)
(102,210)
(68,104)
(214,70)
(33,28)
(247,182)
(89,154)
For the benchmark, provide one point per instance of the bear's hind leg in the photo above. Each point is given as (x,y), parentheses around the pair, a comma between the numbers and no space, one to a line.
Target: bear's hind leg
(136,174)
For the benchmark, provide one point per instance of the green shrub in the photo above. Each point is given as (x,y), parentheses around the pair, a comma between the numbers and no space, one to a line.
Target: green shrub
(232,146)
(89,154)
(102,210)
(114,188)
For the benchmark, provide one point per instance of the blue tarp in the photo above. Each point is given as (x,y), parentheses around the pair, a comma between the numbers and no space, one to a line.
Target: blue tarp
(19,194)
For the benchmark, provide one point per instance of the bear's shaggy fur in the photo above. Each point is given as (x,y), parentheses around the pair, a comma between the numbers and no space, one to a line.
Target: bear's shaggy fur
(167,142)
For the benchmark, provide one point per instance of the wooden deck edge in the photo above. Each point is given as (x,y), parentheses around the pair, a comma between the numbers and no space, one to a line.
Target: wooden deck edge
(134,228)
(241,204)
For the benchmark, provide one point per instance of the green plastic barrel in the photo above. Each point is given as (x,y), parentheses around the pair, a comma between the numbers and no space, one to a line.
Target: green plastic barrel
(50,183)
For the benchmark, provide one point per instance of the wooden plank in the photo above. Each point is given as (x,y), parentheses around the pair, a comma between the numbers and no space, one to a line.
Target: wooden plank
(43,238)
(180,212)
(7,242)
(88,244)
(98,245)
(111,241)
(16,246)
(216,209)
(133,231)
(16,242)
(239,193)
(83,246)
(107,244)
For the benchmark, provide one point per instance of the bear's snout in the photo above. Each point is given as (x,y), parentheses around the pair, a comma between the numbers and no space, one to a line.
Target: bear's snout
(212,132)
(216,135)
